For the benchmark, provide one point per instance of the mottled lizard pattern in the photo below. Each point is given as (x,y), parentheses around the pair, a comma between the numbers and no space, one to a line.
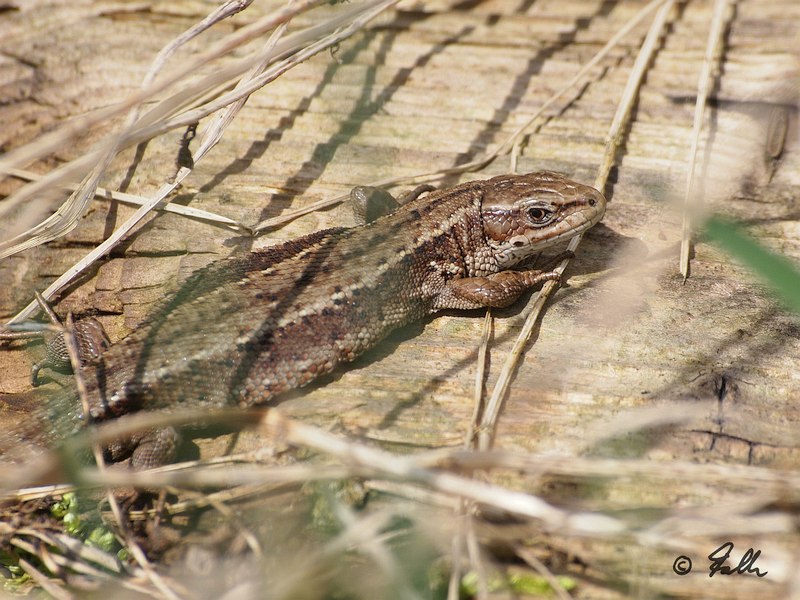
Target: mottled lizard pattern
(247,328)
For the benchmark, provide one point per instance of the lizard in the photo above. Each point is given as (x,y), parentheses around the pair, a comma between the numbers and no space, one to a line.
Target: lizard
(246,329)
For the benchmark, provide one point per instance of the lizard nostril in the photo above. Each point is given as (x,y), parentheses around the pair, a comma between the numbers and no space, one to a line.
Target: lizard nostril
(592,201)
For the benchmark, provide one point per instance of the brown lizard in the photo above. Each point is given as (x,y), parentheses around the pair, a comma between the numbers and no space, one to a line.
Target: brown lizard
(245,329)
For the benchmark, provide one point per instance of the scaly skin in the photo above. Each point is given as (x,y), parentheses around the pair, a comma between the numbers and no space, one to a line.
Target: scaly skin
(245,329)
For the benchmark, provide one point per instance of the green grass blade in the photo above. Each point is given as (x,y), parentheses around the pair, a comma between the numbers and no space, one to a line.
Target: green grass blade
(779,273)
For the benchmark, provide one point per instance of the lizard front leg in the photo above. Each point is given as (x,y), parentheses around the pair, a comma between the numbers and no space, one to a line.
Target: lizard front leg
(497,290)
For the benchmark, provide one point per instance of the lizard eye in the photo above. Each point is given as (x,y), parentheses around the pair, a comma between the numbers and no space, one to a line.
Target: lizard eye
(539,216)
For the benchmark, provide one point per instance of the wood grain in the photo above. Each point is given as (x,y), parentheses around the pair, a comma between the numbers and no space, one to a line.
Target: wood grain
(434,85)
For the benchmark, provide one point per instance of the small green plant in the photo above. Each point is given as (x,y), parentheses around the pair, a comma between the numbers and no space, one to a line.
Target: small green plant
(66,509)
(528,584)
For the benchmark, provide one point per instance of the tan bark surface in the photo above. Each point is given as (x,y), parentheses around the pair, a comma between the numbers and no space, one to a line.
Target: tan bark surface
(431,86)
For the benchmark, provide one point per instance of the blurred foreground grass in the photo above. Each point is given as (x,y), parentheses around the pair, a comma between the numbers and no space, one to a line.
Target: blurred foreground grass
(779,273)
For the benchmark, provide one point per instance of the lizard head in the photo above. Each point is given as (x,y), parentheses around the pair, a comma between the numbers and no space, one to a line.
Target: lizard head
(522,214)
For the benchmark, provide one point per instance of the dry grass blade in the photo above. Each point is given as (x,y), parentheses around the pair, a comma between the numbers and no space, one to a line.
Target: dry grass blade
(412,492)
(407,469)
(770,480)
(65,218)
(777,129)
(507,145)
(213,132)
(465,508)
(160,584)
(504,505)
(43,552)
(631,91)
(621,118)
(47,584)
(178,209)
(89,259)
(357,458)
(24,494)
(154,122)
(772,485)
(46,188)
(480,375)
(298,47)
(206,500)
(712,55)
(88,553)
(51,142)
(232,476)
(363,15)
(456,552)
(585,69)
(222,12)
(57,563)
(475,559)
(16,477)
(209,138)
